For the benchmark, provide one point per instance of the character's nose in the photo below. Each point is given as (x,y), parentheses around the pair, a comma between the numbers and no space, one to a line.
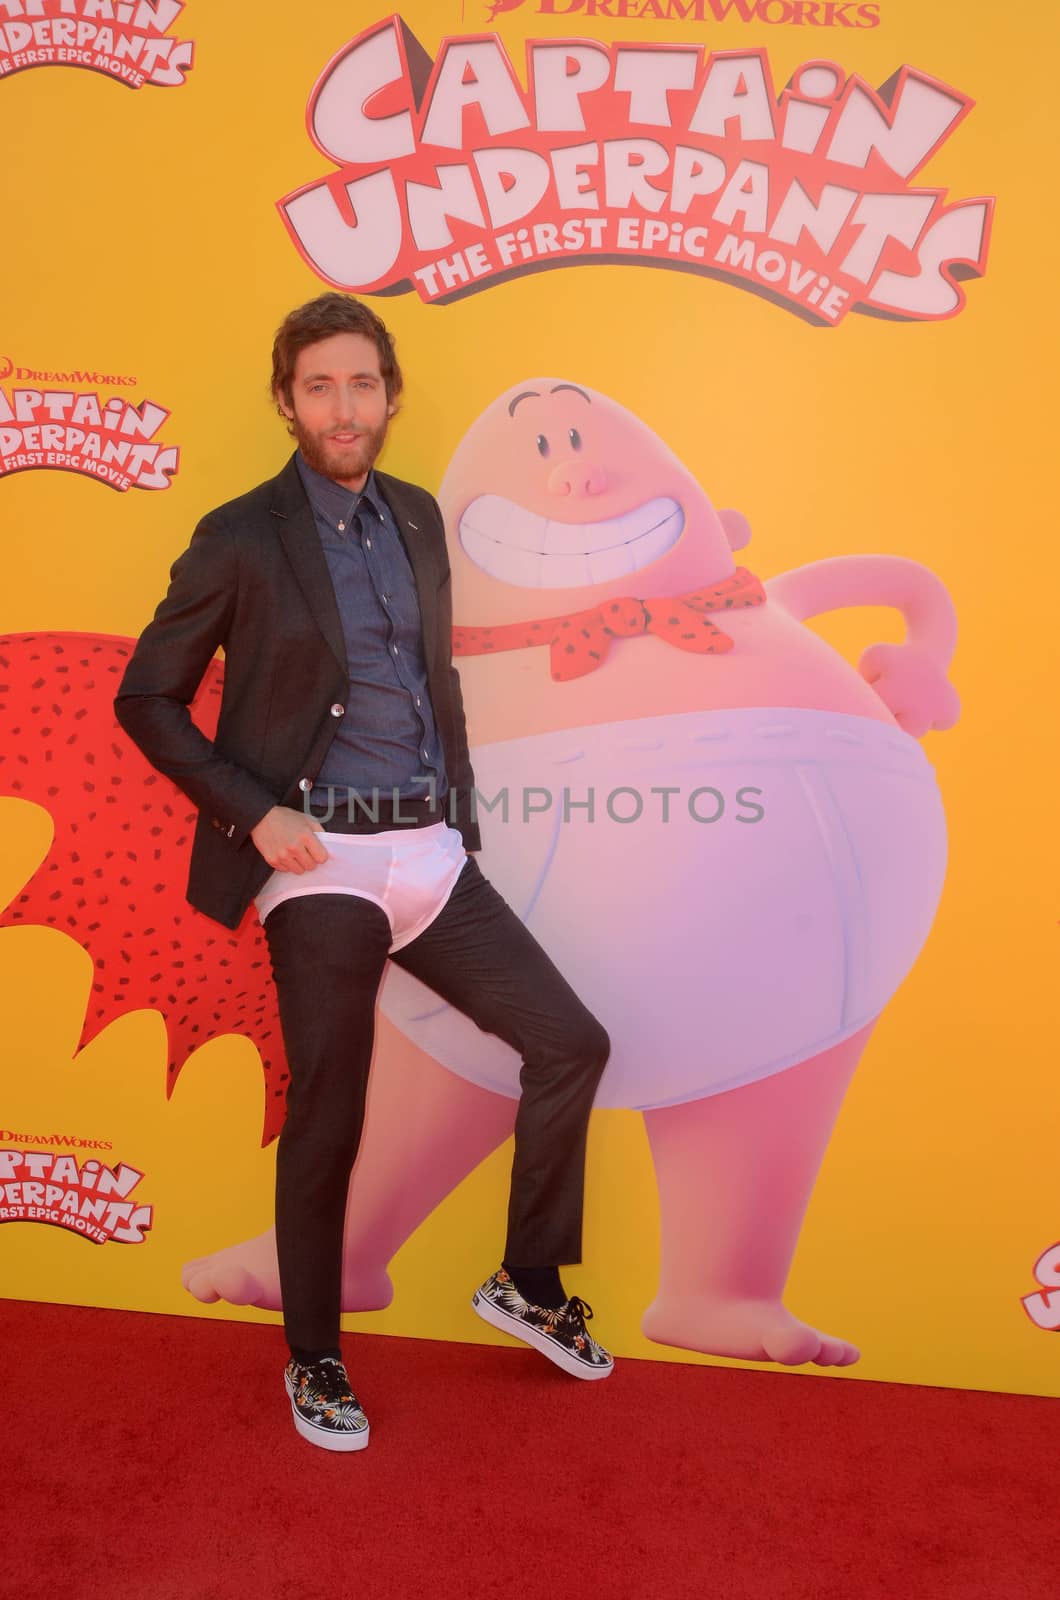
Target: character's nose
(577,477)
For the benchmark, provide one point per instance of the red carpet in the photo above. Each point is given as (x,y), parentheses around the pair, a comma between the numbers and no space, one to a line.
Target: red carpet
(153,1458)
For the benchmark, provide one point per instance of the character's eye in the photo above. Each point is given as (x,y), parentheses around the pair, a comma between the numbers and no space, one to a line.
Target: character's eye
(575,439)
(542,444)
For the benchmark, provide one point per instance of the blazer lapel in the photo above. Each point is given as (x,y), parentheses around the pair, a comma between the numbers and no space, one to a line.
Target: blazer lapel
(411,526)
(301,542)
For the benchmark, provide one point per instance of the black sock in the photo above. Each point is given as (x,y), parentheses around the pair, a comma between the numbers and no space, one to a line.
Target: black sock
(306,1358)
(541,1286)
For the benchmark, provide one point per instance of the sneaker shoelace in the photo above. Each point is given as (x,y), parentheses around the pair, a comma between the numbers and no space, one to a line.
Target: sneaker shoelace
(327,1380)
(578,1312)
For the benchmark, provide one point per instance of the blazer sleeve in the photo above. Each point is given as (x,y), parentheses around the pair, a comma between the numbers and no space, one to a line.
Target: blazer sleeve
(463,780)
(458,762)
(164,673)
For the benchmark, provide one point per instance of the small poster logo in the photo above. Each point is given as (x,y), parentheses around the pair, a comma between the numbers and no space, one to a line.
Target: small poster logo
(128,40)
(71,430)
(790,13)
(89,1199)
(1044,1309)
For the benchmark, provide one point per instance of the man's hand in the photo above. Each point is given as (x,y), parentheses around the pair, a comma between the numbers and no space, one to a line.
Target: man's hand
(287,839)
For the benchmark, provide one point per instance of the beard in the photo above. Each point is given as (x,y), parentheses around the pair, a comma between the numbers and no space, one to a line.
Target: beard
(340,462)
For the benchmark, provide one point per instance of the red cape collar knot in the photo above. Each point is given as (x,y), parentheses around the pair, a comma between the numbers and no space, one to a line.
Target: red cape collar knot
(579,641)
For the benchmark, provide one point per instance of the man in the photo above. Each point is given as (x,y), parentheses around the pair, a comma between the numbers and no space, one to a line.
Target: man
(339,762)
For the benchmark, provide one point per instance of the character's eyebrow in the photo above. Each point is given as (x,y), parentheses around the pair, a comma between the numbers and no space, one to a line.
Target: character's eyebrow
(575,389)
(527,394)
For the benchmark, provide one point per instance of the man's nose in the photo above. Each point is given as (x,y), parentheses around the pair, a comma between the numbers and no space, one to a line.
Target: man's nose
(346,404)
(576,476)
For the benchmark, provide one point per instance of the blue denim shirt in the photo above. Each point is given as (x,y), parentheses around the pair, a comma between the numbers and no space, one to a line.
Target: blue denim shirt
(387,738)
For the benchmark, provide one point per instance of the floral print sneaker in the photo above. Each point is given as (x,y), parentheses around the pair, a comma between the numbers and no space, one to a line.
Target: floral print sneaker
(325,1409)
(560,1335)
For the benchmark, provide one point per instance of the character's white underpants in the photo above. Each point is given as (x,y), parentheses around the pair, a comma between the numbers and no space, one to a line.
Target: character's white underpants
(714,952)
(408,872)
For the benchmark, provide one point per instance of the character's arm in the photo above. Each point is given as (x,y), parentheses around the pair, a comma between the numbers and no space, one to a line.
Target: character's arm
(860,580)
(166,669)
(910,677)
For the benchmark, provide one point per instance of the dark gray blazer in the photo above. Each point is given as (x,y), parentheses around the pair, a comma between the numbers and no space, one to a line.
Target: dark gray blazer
(254,582)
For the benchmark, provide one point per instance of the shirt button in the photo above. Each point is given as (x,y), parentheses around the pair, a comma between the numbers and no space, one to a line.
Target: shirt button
(417,700)
(368,542)
(395,649)
(337,710)
(305,784)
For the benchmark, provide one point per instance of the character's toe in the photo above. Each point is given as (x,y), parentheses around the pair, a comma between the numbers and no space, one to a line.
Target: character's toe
(236,1285)
(792,1344)
(198,1283)
(836,1353)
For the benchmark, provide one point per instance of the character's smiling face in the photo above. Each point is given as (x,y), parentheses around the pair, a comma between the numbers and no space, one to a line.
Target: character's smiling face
(556,487)
(583,537)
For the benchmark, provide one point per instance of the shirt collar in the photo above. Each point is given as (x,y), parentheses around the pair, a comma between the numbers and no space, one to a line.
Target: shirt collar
(331,501)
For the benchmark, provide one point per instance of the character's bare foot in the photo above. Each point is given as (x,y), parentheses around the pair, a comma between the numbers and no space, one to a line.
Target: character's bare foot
(247,1275)
(747,1330)
(243,1274)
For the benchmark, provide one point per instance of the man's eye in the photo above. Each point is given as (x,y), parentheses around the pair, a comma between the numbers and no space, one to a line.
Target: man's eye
(542,445)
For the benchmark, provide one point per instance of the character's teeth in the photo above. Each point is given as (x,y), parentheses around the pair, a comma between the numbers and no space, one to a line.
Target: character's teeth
(505,522)
(517,546)
(604,565)
(565,572)
(583,538)
(646,519)
(523,568)
(656,543)
(510,565)
(526,530)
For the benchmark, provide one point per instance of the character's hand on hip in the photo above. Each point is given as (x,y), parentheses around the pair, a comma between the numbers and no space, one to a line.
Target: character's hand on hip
(912,684)
(288,840)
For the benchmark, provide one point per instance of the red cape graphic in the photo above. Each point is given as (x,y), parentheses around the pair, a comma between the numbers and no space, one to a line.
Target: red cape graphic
(115,874)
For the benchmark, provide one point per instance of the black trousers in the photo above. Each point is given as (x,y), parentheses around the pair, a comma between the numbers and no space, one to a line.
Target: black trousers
(328,954)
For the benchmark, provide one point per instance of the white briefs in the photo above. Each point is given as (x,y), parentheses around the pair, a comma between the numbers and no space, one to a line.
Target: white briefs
(408,872)
(714,952)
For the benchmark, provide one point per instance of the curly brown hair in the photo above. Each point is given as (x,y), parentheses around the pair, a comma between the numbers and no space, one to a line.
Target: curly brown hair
(319,319)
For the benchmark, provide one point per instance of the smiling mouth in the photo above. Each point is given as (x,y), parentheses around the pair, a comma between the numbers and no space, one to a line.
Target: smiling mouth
(533,552)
